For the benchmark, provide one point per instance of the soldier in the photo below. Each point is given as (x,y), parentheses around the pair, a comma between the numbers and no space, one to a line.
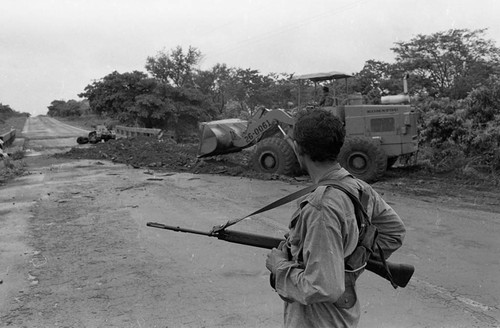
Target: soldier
(308,269)
(326,99)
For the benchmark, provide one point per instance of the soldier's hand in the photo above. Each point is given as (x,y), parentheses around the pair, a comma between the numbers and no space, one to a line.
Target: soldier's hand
(274,258)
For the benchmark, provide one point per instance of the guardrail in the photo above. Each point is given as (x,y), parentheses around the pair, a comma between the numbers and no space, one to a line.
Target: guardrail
(126,131)
(8,137)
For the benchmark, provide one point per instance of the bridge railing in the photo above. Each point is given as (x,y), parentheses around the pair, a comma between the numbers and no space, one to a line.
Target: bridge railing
(8,137)
(126,131)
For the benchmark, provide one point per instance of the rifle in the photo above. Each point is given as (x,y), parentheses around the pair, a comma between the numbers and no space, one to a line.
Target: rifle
(401,273)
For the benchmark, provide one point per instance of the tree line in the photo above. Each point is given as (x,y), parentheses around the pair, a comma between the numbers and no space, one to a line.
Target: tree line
(454,83)
(7,112)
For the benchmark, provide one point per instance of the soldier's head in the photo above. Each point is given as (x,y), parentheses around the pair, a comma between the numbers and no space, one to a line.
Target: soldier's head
(319,134)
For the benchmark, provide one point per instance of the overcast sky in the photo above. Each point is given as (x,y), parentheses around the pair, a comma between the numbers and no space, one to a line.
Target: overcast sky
(52,49)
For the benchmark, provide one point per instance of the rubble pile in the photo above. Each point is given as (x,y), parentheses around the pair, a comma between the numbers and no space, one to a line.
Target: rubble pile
(157,154)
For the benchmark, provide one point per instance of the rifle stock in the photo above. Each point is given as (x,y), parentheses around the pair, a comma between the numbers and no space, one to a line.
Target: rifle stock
(401,273)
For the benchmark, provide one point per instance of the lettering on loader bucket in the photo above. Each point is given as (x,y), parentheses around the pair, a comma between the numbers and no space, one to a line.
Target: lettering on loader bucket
(376,135)
(266,129)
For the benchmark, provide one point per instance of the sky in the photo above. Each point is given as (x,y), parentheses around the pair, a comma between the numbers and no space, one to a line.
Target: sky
(52,49)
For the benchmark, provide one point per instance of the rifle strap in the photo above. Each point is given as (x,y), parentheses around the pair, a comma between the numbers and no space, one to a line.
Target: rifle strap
(289,198)
(279,202)
(357,202)
(388,271)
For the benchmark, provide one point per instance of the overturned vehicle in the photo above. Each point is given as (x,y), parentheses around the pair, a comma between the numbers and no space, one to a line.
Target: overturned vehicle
(100,134)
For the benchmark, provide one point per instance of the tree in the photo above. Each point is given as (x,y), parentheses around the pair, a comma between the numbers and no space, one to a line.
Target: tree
(483,103)
(175,68)
(450,63)
(215,84)
(115,92)
(136,99)
(7,112)
(167,106)
(6,109)
(377,79)
(151,107)
(71,107)
(282,91)
(250,89)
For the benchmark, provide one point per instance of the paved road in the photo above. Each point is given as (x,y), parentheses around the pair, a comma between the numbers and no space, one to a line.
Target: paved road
(48,135)
(75,252)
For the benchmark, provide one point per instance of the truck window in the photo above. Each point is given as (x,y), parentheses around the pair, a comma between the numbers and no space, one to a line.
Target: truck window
(382,124)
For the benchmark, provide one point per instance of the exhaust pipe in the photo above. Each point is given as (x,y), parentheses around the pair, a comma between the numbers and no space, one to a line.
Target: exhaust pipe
(405,83)
(398,99)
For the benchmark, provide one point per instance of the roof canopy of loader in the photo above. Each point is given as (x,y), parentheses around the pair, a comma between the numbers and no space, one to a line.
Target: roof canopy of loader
(318,77)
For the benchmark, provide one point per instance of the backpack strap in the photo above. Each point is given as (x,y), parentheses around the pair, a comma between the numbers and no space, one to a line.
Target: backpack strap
(359,207)
(367,242)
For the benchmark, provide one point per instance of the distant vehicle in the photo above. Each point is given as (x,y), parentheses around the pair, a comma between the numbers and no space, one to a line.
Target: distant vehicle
(100,134)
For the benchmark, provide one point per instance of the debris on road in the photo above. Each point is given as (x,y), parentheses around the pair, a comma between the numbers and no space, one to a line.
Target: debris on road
(156,154)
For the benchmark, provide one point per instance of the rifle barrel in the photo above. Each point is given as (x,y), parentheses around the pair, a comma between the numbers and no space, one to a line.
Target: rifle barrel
(178,229)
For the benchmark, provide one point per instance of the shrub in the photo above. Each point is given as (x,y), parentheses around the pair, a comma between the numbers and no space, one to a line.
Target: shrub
(483,146)
(462,134)
(438,127)
(445,157)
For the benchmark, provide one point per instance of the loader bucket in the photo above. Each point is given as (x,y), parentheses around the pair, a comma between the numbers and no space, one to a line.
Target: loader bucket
(221,137)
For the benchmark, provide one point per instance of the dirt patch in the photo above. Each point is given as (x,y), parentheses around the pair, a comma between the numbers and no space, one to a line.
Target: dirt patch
(460,189)
(77,247)
(464,189)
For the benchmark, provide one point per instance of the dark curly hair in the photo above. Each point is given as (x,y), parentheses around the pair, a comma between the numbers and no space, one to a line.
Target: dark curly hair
(319,133)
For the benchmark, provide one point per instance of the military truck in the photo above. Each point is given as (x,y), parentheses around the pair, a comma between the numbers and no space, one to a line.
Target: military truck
(376,135)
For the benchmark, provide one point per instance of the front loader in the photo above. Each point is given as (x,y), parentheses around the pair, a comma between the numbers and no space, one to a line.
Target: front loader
(376,135)
(267,129)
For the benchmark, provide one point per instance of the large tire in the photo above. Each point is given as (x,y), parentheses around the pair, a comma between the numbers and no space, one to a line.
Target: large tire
(363,158)
(275,155)
(82,140)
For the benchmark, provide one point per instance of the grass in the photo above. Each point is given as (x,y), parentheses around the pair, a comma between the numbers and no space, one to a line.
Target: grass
(10,169)
(16,123)
(12,166)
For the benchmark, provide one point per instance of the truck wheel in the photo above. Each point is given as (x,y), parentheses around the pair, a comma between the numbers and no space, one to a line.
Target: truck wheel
(274,155)
(82,140)
(363,158)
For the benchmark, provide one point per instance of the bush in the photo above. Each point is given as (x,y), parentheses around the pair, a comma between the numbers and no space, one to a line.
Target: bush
(483,147)
(439,127)
(459,134)
(444,157)
(17,155)
(10,169)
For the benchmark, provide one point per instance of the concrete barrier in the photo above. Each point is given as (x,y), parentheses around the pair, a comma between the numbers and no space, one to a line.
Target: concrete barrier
(126,131)
(8,137)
